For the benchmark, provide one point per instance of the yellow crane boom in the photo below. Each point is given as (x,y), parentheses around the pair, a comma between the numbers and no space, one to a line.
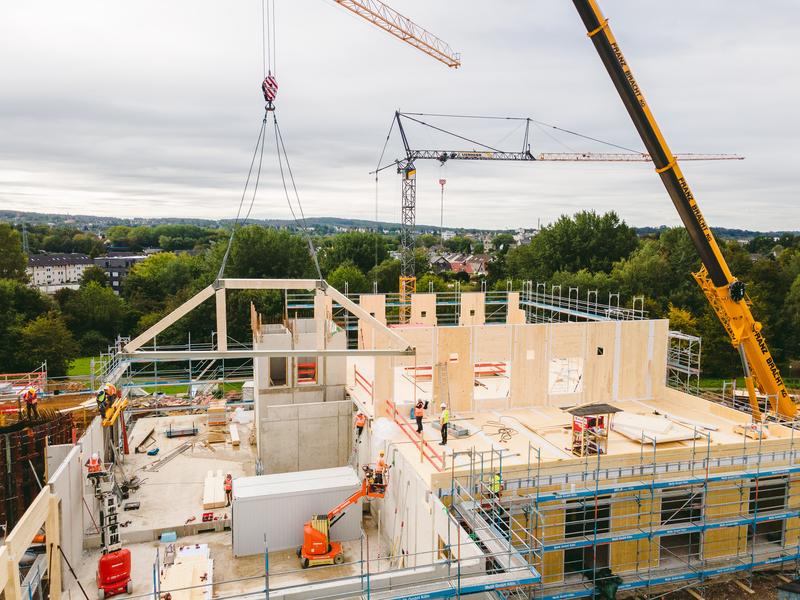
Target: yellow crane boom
(725,293)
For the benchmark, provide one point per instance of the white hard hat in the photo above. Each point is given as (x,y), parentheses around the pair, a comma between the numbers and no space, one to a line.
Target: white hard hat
(443,405)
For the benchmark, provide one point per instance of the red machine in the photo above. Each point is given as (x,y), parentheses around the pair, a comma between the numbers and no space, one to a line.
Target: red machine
(114,574)
(317,548)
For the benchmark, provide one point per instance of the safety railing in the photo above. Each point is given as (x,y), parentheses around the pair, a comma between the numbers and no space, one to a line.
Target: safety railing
(436,459)
(362,382)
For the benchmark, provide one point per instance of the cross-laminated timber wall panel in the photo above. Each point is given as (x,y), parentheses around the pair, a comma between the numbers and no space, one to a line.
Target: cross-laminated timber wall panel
(473,309)
(453,348)
(423,309)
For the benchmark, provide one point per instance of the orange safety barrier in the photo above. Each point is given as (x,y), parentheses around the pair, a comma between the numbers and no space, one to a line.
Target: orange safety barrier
(432,456)
(490,369)
(362,382)
(307,372)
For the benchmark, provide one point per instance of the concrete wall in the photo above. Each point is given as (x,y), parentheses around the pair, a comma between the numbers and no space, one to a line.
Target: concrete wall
(66,481)
(301,437)
(413,518)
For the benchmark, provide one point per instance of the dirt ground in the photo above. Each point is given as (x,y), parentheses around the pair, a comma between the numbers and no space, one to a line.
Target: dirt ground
(764,584)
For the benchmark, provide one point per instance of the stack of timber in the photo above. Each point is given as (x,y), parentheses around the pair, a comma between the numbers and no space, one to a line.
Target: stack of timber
(217,420)
(214,490)
(193,568)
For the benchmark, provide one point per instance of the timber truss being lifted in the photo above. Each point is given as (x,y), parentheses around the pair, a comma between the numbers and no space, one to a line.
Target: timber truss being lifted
(131,352)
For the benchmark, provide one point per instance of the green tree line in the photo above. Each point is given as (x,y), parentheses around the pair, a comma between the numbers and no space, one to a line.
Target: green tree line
(597,252)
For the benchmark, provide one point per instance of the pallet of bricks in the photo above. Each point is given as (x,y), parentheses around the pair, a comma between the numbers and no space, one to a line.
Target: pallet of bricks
(217,421)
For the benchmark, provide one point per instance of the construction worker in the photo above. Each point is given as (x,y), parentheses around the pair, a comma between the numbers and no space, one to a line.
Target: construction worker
(105,398)
(31,397)
(361,421)
(419,412)
(93,464)
(228,489)
(380,468)
(444,419)
(497,485)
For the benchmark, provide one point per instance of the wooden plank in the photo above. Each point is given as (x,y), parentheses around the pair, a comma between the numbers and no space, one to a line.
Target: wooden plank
(214,490)
(222,320)
(270,284)
(170,319)
(28,526)
(694,594)
(234,431)
(4,568)
(53,537)
(745,588)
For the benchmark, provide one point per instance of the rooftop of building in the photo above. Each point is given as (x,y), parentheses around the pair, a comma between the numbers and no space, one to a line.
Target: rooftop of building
(58,259)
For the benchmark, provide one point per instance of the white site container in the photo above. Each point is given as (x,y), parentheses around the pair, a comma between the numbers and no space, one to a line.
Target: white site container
(277,506)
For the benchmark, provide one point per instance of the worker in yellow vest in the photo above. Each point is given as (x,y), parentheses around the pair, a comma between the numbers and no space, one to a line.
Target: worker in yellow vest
(497,485)
(444,419)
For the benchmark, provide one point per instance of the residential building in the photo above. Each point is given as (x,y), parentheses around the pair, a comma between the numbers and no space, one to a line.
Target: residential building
(51,272)
(117,265)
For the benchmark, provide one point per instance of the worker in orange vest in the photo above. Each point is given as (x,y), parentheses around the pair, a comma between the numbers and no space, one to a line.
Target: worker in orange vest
(361,421)
(94,465)
(228,489)
(419,412)
(31,398)
(381,468)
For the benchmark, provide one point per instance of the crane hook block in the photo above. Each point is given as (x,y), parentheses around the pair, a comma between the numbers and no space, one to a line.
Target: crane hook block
(270,89)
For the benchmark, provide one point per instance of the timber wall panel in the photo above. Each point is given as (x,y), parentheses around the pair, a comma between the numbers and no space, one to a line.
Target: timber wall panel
(452,342)
(423,303)
(474,302)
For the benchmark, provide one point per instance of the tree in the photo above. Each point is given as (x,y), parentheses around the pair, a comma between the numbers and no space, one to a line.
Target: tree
(682,320)
(46,338)
(387,274)
(502,243)
(260,252)
(427,240)
(459,243)
(363,249)
(585,241)
(424,283)
(18,305)
(350,274)
(160,276)
(97,310)
(94,274)
(12,260)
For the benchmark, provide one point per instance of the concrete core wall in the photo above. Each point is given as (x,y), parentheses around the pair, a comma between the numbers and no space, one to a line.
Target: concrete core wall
(308,436)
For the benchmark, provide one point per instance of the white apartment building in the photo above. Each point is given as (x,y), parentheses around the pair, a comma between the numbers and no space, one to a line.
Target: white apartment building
(52,272)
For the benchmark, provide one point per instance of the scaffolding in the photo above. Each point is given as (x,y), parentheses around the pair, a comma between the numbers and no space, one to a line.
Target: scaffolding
(683,362)
(656,526)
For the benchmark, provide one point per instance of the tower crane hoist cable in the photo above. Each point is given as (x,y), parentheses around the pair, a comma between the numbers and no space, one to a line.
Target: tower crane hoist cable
(269,88)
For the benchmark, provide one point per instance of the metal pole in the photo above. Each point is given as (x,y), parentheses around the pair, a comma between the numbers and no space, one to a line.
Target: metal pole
(266,568)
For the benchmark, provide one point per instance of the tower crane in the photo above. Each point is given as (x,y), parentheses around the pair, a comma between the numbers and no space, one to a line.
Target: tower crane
(404,29)
(406,167)
(726,294)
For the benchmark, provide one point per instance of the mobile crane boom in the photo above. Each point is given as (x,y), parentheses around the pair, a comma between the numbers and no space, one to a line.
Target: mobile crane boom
(725,293)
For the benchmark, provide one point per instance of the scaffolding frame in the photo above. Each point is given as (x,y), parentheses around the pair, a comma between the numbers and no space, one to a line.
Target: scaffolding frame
(658,524)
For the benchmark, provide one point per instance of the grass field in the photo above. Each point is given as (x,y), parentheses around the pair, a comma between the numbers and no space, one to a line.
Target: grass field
(80,366)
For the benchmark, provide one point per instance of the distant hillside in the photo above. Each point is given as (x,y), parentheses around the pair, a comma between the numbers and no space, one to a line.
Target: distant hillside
(321,224)
(723,232)
(93,222)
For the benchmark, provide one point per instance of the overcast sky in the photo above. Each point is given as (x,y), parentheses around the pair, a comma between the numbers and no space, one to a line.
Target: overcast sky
(152,108)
